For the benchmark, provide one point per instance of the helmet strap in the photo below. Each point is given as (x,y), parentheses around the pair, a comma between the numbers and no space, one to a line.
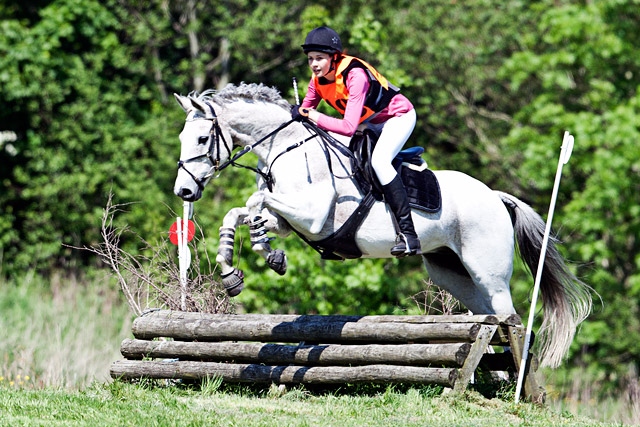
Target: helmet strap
(334,61)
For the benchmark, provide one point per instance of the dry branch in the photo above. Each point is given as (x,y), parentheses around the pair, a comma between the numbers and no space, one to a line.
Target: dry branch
(154,281)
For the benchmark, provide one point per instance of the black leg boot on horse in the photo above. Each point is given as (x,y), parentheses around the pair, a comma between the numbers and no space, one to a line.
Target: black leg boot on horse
(407,242)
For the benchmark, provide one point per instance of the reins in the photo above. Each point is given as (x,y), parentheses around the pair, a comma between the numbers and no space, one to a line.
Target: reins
(335,145)
(216,135)
(266,176)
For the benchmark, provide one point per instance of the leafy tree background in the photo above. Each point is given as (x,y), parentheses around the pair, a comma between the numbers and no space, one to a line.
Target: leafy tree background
(86,109)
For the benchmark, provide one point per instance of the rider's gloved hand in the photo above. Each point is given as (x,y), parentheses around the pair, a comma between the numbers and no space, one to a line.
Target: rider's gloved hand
(299,114)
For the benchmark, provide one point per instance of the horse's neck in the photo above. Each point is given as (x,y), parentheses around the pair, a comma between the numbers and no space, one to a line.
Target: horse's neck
(251,124)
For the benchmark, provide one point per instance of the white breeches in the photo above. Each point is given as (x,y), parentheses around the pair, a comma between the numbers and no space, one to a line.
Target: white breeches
(395,132)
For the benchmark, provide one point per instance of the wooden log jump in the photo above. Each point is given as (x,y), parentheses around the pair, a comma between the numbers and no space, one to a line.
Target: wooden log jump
(293,349)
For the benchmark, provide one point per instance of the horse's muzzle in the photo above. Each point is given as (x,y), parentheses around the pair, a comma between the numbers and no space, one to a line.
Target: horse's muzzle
(187,194)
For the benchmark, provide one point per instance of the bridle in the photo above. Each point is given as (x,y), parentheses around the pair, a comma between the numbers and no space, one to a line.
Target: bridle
(212,155)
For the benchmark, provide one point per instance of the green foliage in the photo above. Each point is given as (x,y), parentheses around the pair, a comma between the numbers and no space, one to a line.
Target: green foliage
(585,75)
(80,108)
(312,285)
(86,109)
(451,55)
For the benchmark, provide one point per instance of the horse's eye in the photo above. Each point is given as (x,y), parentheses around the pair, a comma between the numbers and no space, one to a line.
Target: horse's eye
(203,140)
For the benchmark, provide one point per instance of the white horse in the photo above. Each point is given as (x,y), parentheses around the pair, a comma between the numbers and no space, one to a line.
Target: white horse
(305,185)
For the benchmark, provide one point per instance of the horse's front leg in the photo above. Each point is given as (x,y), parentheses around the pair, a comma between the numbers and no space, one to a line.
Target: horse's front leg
(232,278)
(262,220)
(259,222)
(259,225)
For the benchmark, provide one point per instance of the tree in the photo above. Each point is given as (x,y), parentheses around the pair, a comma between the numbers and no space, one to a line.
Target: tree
(580,72)
(79,103)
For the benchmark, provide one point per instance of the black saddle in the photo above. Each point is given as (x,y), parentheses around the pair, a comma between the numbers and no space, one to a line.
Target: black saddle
(422,187)
(420,182)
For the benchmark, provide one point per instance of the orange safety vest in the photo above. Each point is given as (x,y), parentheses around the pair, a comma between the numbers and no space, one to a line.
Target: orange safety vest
(336,93)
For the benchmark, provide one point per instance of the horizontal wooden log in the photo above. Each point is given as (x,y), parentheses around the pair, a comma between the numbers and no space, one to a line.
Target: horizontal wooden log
(274,354)
(324,329)
(330,349)
(489,319)
(134,369)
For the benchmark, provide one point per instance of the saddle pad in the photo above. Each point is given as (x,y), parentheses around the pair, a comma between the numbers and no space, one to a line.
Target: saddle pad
(422,187)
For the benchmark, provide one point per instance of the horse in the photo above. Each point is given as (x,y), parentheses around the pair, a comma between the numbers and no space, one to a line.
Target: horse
(307,186)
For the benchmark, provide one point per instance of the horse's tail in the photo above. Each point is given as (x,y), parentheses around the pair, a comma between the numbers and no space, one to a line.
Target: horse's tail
(566,300)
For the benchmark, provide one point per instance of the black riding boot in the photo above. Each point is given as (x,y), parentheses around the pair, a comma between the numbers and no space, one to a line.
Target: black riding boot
(407,242)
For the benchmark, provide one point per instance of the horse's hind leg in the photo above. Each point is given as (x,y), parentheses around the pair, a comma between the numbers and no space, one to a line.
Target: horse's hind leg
(448,273)
(472,289)
(491,273)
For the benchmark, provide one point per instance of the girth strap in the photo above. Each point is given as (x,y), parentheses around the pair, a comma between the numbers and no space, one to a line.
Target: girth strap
(342,244)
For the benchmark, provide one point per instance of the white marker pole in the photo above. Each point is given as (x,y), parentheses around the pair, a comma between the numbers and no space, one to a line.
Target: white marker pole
(180,260)
(184,254)
(565,154)
(295,90)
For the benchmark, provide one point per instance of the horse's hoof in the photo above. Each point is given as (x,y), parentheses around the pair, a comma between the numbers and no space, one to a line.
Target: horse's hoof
(233,282)
(277,261)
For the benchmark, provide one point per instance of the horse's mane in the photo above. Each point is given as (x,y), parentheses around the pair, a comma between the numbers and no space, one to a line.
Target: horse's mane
(248,92)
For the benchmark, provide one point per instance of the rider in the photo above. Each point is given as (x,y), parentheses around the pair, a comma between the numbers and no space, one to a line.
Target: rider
(362,95)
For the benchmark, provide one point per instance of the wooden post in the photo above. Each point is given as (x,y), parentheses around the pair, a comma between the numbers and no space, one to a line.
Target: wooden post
(325,329)
(532,391)
(475,354)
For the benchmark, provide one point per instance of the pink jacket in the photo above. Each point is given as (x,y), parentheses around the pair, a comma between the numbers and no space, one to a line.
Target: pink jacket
(358,85)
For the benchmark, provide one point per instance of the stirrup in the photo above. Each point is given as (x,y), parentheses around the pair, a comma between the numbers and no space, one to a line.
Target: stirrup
(403,248)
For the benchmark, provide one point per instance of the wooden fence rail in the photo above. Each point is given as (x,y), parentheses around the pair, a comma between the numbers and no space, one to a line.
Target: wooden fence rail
(292,349)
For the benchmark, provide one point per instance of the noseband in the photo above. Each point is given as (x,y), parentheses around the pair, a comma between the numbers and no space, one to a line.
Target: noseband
(212,156)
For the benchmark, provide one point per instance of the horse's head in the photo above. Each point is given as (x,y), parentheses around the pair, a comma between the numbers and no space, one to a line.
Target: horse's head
(248,115)
(204,146)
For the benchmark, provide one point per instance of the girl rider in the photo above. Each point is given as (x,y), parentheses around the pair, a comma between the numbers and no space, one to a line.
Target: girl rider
(362,95)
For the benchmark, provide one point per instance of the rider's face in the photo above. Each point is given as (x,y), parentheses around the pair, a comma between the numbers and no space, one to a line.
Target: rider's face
(320,63)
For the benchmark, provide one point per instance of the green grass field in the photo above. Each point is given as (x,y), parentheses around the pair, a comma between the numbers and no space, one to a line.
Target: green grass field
(121,404)
(60,336)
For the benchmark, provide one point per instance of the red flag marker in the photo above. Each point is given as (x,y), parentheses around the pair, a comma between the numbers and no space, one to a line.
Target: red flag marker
(173,232)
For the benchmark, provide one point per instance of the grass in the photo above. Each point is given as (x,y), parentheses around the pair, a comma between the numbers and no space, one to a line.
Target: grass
(60,332)
(61,335)
(587,393)
(124,404)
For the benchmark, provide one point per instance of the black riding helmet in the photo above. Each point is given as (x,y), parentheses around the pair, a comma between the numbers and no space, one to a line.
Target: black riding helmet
(322,39)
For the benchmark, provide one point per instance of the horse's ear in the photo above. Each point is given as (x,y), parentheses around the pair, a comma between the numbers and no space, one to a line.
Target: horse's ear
(201,106)
(184,102)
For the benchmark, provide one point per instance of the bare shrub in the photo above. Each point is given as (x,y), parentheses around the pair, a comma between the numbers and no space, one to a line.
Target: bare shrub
(153,281)
(433,300)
